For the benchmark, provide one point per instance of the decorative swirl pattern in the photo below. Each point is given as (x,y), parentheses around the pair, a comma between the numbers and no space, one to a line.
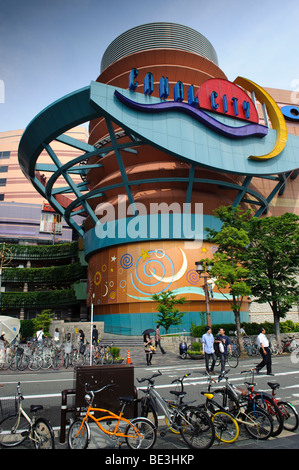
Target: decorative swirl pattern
(126,261)
(192,277)
(144,274)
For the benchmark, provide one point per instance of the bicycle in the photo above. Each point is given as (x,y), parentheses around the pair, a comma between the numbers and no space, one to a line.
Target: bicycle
(250,347)
(139,433)
(231,359)
(193,424)
(105,353)
(16,425)
(226,427)
(241,404)
(288,411)
(265,401)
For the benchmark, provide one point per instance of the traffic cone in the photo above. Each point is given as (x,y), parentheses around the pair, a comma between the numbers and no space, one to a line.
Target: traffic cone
(128,358)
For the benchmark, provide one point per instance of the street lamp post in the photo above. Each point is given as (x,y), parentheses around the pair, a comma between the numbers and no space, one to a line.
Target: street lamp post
(202,268)
(91,327)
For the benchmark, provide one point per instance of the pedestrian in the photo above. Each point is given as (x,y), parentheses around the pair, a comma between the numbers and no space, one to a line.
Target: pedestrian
(242,331)
(223,344)
(208,349)
(81,336)
(263,345)
(40,335)
(95,335)
(158,339)
(148,349)
(56,334)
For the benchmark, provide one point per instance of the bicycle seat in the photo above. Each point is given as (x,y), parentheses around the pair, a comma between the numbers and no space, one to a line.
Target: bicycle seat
(178,394)
(35,408)
(273,385)
(209,396)
(126,400)
(242,391)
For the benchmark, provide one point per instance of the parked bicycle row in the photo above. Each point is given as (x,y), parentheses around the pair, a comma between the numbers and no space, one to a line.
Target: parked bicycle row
(229,407)
(49,353)
(219,417)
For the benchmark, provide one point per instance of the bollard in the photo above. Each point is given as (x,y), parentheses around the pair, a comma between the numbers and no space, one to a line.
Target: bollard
(64,410)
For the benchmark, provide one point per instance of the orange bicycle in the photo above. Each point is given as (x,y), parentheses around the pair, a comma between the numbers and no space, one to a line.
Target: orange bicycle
(138,433)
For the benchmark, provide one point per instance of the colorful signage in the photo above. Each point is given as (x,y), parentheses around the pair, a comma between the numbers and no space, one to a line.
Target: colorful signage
(216,95)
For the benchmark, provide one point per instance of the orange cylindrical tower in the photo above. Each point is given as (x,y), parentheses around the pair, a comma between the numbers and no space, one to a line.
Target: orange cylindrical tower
(121,295)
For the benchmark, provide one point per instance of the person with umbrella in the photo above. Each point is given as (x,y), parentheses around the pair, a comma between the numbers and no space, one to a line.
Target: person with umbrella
(148,346)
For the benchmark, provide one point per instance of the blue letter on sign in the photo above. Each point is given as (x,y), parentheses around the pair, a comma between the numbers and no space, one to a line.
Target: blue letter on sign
(148,84)
(163,88)
(246,107)
(132,84)
(290,112)
(191,99)
(178,92)
(213,97)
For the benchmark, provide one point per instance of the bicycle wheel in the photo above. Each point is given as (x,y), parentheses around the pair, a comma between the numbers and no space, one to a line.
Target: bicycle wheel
(13,431)
(23,362)
(43,434)
(66,360)
(6,359)
(289,414)
(78,359)
(196,428)
(232,360)
(258,424)
(46,362)
(226,427)
(140,434)
(148,411)
(14,362)
(268,404)
(57,361)
(35,363)
(76,439)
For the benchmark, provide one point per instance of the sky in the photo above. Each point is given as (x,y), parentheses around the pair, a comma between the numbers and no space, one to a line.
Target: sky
(51,48)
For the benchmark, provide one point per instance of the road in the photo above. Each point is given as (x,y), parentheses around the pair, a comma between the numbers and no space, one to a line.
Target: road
(45,387)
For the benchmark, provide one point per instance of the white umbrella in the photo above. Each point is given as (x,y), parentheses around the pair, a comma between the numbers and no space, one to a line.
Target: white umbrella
(10,327)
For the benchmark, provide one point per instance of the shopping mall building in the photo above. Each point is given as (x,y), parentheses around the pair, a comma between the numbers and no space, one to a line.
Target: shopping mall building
(170,139)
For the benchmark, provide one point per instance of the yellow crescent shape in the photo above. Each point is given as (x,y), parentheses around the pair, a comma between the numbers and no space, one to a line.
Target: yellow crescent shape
(275,115)
(176,276)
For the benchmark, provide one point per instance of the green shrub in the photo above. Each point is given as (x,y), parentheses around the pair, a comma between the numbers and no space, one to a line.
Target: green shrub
(287,326)
(115,351)
(196,347)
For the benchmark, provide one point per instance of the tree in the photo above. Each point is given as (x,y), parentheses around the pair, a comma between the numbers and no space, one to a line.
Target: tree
(43,320)
(227,262)
(272,261)
(168,313)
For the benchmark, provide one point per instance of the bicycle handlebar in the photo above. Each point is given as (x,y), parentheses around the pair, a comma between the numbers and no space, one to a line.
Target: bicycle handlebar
(149,379)
(180,379)
(100,389)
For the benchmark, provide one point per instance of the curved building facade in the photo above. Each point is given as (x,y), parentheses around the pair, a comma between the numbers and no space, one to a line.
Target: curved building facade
(170,140)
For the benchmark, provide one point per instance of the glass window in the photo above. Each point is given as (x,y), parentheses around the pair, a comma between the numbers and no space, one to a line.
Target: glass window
(4,169)
(1,197)
(2,181)
(5,154)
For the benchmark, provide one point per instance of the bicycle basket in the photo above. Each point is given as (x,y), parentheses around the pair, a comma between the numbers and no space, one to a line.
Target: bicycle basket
(8,407)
